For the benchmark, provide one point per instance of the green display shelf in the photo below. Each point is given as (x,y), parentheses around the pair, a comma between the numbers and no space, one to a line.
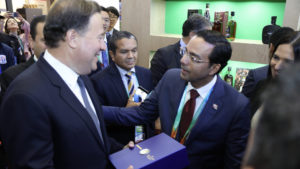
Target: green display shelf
(251,15)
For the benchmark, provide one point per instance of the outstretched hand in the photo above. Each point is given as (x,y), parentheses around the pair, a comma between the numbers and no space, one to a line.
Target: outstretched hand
(130,102)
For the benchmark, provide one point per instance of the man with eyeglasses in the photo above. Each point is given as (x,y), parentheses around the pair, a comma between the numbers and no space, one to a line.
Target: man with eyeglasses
(113,17)
(196,107)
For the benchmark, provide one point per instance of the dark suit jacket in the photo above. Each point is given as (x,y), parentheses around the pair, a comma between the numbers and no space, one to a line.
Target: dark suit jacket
(9,56)
(12,72)
(44,125)
(165,58)
(111,91)
(219,137)
(114,31)
(254,76)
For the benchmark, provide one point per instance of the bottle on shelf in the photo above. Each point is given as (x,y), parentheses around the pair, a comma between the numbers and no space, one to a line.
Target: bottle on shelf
(217,26)
(206,13)
(269,29)
(231,28)
(228,78)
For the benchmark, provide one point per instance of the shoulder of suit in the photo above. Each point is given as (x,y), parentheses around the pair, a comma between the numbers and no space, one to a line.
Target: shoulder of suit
(173,73)
(104,73)
(15,70)
(170,47)
(140,68)
(263,69)
(5,46)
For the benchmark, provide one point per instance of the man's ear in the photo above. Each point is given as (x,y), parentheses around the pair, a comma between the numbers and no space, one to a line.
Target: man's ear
(192,34)
(112,55)
(214,69)
(72,38)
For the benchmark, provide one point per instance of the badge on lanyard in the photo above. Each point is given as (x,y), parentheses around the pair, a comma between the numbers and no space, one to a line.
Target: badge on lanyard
(3,59)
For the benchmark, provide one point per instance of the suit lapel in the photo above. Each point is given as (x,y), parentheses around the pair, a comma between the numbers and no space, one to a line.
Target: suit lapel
(212,107)
(68,97)
(175,101)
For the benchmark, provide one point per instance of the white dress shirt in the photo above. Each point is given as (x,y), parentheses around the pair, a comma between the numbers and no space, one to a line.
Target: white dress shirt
(202,91)
(69,77)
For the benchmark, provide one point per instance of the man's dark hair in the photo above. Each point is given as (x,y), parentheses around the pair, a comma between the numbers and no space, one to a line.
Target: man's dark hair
(66,15)
(279,33)
(33,24)
(113,10)
(118,36)
(104,9)
(222,50)
(195,23)
(276,140)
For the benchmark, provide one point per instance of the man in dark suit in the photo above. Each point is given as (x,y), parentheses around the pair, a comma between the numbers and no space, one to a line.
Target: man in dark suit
(214,126)
(261,73)
(253,77)
(111,84)
(50,116)
(37,44)
(113,17)
(169,57)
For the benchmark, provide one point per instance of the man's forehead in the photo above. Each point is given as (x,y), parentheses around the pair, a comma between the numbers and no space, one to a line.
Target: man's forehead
(199,46)
(104,13)
(125,42)
(110,13)
(198,42)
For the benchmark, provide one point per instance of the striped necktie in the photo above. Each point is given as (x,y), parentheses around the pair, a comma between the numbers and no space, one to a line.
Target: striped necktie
(130,85)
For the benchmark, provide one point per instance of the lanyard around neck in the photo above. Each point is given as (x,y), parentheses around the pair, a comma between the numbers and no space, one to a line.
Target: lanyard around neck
(195,117)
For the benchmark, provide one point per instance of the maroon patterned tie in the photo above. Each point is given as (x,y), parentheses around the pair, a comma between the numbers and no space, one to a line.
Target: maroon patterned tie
(187,113)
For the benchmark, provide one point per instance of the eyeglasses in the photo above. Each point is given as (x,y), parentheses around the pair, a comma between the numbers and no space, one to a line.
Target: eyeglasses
(112,16)
(193,57)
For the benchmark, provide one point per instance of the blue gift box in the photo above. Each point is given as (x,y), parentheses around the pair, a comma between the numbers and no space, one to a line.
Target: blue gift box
(160,151)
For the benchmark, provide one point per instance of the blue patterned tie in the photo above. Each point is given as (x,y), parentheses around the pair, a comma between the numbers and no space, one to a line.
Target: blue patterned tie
(89,107)
(104,59)
(108,36)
